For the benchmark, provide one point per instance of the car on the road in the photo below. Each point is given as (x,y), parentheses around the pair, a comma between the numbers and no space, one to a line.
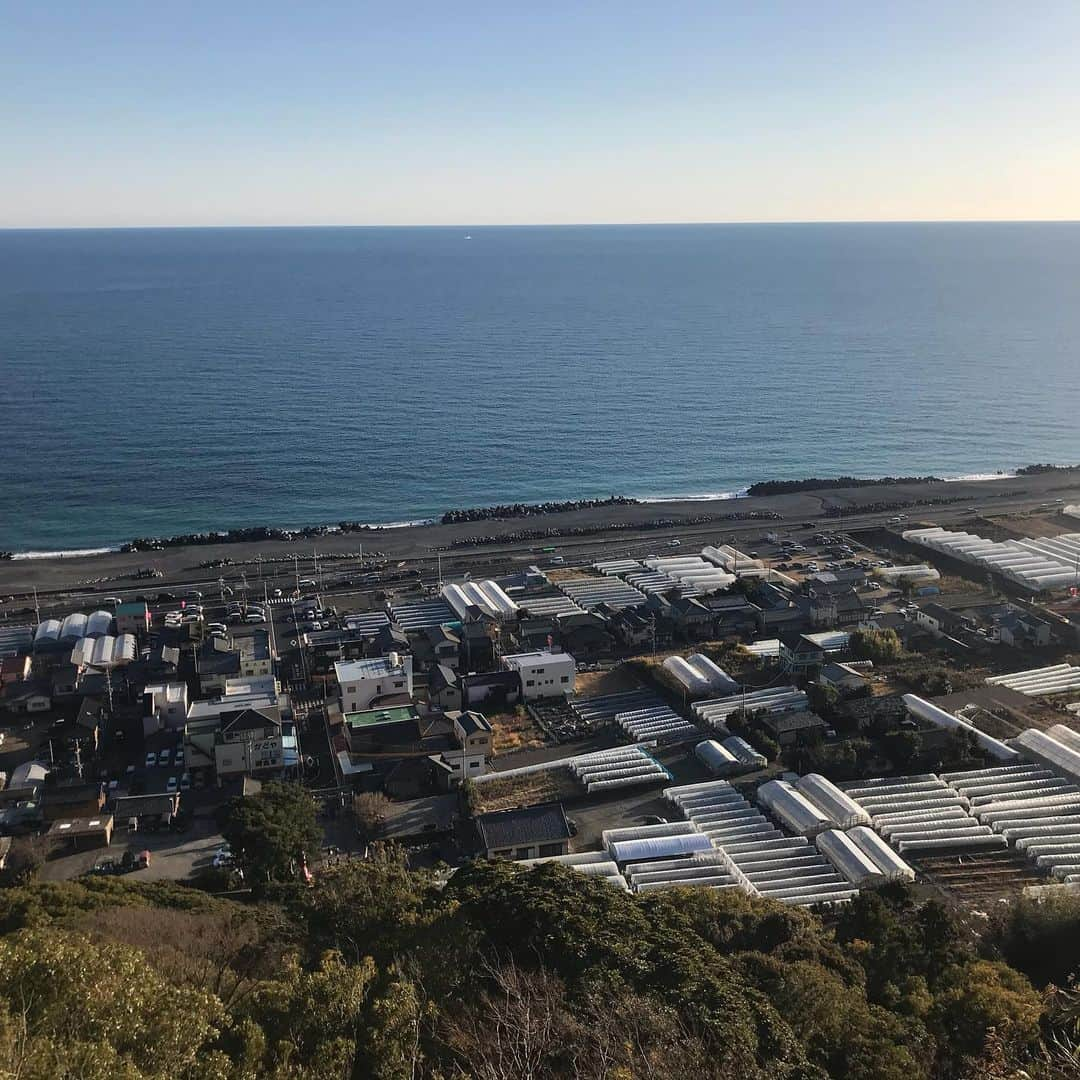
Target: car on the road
(112,601)
(277,593)
(674,543)
(151,759)
(166,597)
(193,594)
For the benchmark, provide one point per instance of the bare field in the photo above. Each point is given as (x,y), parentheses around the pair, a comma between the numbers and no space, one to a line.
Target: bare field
(514,731)
(551,784)
(612,681)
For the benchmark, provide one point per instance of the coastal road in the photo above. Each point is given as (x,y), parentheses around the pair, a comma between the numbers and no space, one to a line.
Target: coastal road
(59,585)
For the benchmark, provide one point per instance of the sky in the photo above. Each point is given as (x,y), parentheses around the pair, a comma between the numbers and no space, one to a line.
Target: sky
(282,113)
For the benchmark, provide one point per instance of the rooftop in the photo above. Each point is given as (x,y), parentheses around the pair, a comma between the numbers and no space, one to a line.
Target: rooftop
(376,668)
(400,714)
(81,826)
(544,823)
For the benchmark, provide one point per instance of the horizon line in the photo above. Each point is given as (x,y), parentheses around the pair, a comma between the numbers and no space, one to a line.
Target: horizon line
(549,225)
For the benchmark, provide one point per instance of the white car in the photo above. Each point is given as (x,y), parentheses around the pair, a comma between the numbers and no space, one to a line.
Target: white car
(164,757)
(151,759)
(254,617)
(172,785)
(185,782)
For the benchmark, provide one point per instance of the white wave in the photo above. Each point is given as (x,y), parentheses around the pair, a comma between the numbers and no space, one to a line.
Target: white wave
(715,496)
(402,524)
(74,553)
(973,477)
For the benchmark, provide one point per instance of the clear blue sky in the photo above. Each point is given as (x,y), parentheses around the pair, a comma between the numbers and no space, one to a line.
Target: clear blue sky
(118,113)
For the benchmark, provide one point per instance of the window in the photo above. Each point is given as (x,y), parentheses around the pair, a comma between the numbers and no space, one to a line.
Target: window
(503,854)
(539,671)
(398,685)
(523,853)
(529,682)
(474,764)
(565,678)
(550,849)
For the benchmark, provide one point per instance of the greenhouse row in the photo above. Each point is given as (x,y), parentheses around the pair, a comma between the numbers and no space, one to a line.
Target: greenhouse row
(413,615)
(591,592)
(921,813)
(602,709)
(1036,682)
(1055,749)
(722,759)
(646,581)
(760,857)
(895,575)
(1033,808)
(731,559)
(1044,563)
(104,652)
(486,596)
(72,629)
(658,722)
(776,699)
(693,570)
(555,604)
(590,863)
(862,857)
(622,767)
(697,674)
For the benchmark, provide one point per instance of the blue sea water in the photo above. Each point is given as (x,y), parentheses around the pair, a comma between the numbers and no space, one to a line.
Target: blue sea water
(163,381)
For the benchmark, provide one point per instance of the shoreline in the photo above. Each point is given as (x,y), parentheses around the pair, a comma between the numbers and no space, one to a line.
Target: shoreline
(745,518)
(219,537)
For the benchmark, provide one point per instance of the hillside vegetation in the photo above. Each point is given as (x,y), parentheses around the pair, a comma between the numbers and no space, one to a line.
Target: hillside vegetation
(381,972)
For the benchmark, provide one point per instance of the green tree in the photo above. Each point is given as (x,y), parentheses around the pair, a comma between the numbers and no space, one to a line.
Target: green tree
(271,831)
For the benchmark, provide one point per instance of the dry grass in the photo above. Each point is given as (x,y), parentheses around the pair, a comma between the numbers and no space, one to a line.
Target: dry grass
(551,784)
(595,683)
(514,731)
(569,573)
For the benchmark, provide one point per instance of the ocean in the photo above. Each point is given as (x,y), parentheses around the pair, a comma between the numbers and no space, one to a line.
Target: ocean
(154,382)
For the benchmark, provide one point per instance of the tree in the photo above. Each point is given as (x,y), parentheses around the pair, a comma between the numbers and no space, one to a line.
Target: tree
(370,811)
(271,831)
(877,645)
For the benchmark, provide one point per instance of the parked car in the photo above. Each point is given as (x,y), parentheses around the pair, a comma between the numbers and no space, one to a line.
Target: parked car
(255,617)
(164,757)
(151,759)
(172,785)
(185,782)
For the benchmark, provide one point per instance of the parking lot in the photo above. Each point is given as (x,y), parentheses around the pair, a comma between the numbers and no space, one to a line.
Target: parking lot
(173,856)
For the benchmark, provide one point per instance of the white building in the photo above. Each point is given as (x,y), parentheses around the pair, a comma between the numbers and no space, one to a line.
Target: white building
(165,705)
(363,681)
(543,673)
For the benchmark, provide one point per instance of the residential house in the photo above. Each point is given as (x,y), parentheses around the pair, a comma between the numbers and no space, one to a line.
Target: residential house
(1024,630)
(585,635)
(692,618)
(444,689)
(780,614)
(837,607)
(543,673)
(842,678)
(529,832)
(14,670)
(438,645)
(132,618)
(146,809)
(732,615)
(215,662)
(474,736)
(362,683)
(794,728)
(478,648)
(253,743)
(632,627)
(490,691)
(165,705)
(71,798)
(26,697)
(82,834)
(90,721)
(256,659)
